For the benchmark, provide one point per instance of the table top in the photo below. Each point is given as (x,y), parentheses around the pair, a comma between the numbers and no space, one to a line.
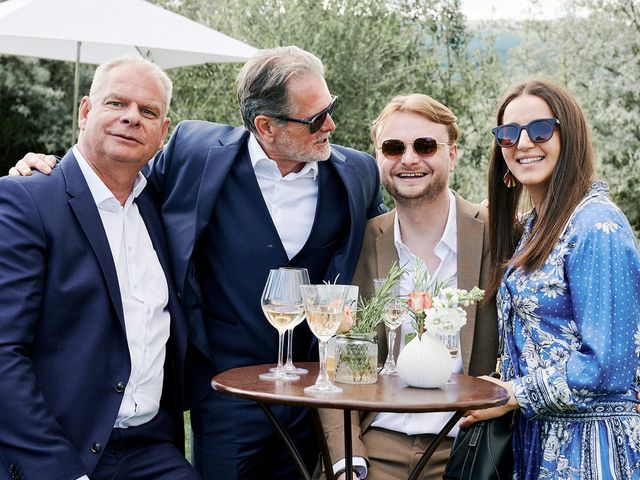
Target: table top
(388,394)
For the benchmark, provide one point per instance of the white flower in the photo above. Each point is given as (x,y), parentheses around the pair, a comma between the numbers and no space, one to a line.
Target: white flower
(553,288)
(607,227)
(632,430)
(435,307)
(449,297)
(445,320)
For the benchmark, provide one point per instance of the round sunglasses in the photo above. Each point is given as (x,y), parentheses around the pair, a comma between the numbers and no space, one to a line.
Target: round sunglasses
(539,130)
(423,146)
(315,123)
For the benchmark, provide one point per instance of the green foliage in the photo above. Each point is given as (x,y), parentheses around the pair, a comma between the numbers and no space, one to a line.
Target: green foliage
(373,50)
(595,52)
(35,107)
(371,310)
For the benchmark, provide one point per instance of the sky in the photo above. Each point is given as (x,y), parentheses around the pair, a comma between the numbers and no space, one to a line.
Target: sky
(511,9)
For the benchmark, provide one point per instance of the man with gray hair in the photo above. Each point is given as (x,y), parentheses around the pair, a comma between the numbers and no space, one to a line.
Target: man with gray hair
(237,202)
(92,338)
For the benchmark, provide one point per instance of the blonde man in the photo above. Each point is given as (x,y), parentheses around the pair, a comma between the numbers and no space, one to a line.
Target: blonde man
(415,141)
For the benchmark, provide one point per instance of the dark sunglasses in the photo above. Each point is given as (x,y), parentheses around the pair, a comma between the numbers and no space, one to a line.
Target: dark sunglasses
(315,123)
(539,130)
(423,146)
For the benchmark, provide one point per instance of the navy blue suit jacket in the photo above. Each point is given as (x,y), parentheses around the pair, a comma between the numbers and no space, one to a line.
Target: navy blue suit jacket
(188,176)
(63,347)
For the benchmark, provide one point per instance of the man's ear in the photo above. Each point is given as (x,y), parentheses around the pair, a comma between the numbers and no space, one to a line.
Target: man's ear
(453,156)
(266,127)
(83,112)
(165,128)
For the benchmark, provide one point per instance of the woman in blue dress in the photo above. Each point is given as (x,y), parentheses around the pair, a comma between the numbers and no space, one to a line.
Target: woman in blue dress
(567,277)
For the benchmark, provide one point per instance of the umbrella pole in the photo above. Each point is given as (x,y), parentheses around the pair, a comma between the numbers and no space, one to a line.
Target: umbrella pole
(76,88)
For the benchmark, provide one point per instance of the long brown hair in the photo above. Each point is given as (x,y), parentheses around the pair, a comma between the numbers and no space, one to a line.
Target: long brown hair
(570,181)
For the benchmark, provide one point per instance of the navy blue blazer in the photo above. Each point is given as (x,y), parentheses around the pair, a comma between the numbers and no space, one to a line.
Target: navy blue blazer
(63,349)
(187,177)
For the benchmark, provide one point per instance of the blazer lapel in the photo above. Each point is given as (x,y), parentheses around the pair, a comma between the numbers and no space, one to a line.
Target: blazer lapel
(85,210)
(219,162)
(154,228)
(386,254)
(352,183)
(470,243)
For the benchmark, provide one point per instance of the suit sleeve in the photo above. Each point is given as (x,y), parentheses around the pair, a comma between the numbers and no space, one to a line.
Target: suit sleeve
(376,205)
(31,440)
(158,168)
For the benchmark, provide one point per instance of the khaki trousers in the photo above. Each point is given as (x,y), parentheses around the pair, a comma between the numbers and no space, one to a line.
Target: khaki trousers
(392,455)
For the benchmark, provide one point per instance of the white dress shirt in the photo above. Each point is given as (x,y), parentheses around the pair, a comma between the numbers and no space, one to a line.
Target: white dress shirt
(291,200)
(144,293)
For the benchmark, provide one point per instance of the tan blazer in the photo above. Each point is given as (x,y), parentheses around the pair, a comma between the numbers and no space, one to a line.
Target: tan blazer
(478,338)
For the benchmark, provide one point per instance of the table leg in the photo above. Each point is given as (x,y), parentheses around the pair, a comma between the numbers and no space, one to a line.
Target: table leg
(348,446)
(322,442)
(434,445)
(287,440)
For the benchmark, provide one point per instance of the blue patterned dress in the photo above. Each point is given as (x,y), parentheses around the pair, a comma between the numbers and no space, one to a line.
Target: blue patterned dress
(572,349)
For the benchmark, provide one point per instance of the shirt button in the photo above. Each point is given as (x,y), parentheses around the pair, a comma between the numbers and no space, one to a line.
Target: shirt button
(120,386)
(96,447)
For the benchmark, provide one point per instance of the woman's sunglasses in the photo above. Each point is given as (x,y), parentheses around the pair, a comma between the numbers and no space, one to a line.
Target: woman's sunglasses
(423,146)
(315,123)
(539,130)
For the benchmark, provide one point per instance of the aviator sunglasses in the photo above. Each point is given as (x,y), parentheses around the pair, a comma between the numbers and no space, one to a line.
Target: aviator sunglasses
(539,130)
(423,146)
(315,123)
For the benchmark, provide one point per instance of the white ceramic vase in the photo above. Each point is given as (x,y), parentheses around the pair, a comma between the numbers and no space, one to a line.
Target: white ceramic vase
(425,362)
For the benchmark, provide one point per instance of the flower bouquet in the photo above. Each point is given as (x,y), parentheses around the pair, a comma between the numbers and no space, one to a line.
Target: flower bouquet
(435,309)
(442,313)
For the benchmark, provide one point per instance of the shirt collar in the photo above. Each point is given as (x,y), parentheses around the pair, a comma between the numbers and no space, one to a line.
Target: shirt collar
(257,155)
(449,236)
(101,194)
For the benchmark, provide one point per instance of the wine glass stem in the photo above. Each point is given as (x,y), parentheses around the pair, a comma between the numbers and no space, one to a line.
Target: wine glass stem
(280,367)
(391,340)
(323,376)
(289,346)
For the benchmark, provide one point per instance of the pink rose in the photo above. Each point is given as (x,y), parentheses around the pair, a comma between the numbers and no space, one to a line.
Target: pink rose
(419,301)
(347,320)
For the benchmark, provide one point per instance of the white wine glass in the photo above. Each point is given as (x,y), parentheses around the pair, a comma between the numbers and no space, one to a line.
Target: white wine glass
(289,367)
(452,342)
(324,306)
(394,315)
(282,305)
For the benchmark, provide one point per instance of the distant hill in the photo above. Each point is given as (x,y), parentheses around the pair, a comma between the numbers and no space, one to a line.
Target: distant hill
(503,36)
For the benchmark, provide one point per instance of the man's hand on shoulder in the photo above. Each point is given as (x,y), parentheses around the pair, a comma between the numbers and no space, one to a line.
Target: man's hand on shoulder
(33,161)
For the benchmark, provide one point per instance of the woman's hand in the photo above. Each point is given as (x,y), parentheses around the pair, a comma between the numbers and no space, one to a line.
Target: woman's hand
(473,416)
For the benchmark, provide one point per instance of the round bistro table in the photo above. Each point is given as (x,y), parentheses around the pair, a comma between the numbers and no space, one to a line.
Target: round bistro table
(388,394)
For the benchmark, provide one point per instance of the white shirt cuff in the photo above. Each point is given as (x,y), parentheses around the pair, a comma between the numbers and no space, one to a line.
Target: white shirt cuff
(83,477)
(359,466)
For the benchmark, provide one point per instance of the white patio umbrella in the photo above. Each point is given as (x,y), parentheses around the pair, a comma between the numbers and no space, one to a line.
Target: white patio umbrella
(93,31)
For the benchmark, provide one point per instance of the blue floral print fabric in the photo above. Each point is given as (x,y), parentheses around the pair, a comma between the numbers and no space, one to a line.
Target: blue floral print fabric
(572,349)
